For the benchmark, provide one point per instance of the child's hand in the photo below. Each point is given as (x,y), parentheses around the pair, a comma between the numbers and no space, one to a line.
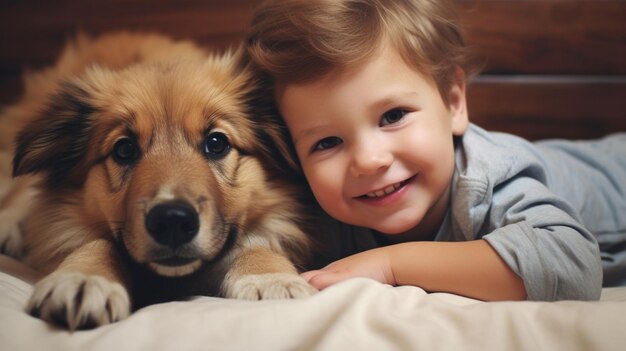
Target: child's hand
(372,264)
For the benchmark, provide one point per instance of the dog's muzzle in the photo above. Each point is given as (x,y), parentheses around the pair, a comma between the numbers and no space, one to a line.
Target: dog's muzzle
(172,224)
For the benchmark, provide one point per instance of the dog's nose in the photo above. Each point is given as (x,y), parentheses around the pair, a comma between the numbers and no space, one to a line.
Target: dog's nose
(172,223)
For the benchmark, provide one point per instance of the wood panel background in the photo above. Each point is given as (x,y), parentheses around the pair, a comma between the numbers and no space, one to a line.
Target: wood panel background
(552,68)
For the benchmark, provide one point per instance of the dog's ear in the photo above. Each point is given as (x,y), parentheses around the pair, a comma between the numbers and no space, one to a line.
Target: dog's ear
(271,130)
(56,142)
(278,141)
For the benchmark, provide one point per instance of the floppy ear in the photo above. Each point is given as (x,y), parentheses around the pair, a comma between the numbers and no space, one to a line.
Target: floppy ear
(57,140)
(282,149)
(271,130)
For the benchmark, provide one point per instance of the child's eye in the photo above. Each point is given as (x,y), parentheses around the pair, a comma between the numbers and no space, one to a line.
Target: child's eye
(326,143)
(392,116)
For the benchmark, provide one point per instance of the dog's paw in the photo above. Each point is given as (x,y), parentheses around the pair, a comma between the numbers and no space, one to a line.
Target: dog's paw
(79,301)
(268,286)
(10,235)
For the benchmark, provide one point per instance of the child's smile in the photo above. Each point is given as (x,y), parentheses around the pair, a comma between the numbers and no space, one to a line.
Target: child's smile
(375,142)
(386,194)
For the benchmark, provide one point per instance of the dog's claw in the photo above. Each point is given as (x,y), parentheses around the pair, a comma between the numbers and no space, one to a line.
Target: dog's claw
(268,286)
(79,301)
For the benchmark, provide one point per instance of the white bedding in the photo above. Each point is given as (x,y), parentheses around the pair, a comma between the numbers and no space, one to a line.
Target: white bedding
(358,314)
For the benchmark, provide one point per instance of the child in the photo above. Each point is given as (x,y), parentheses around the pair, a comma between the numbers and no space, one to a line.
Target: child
(373,95)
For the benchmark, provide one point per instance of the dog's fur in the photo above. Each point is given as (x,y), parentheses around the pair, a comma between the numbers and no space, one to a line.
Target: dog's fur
(144,177)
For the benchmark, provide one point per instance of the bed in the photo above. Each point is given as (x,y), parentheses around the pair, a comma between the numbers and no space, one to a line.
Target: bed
(552,69)
(358,314)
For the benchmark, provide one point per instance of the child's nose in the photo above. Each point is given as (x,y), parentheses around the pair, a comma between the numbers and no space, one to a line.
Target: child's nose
(369,159)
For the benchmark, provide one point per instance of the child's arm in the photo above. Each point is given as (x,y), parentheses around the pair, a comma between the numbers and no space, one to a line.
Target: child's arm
(470,268)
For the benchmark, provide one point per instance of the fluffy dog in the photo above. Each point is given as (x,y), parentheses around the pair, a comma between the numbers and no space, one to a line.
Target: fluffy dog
(144,177)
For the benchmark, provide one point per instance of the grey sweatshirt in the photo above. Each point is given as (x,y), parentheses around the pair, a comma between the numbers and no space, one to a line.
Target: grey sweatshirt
(544,207)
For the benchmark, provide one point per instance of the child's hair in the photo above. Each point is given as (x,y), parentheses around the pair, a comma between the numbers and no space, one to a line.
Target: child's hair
(298,41)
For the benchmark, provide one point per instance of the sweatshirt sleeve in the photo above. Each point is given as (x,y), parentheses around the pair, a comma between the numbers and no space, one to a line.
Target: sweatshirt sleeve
(538,235)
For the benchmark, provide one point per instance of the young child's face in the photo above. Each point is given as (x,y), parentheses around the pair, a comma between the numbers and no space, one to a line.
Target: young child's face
(376,142)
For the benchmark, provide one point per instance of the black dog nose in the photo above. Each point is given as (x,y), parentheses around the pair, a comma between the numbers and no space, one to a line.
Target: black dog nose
(173,223)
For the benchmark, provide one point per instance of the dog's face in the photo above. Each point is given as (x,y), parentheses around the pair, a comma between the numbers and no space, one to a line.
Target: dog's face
(166,155)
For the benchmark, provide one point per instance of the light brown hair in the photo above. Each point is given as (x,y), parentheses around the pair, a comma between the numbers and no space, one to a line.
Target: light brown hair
(297,41)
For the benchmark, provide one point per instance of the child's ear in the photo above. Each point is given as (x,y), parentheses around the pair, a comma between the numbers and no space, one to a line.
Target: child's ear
(56,142)
(457,104)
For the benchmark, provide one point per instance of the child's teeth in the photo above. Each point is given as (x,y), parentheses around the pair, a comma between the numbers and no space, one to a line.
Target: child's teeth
(388,190)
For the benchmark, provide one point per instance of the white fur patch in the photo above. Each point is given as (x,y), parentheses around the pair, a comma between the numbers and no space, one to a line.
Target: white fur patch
(79,300)
(176,271)
(267,286)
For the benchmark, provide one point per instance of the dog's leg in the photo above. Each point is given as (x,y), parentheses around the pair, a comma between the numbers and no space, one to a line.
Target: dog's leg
(260,273)
(87,290)
(15,204)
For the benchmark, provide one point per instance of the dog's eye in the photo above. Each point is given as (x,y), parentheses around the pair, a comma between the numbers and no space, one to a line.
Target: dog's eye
(125,151)
(216,145)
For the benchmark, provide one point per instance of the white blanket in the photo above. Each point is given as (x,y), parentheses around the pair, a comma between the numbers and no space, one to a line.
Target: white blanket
(358,314)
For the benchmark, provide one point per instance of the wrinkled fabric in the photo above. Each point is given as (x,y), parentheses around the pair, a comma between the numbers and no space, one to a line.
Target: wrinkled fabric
(358,314)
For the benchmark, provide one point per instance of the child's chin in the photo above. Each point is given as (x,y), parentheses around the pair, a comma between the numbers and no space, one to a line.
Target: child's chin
(396,229)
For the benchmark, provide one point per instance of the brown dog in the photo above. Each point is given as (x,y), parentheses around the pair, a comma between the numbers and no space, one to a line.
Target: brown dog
(155,183)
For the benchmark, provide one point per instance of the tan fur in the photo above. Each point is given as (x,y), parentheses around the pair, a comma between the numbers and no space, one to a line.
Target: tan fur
(87,228)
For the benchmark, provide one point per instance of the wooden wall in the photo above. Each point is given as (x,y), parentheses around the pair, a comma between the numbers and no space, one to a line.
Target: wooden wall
(552,68)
